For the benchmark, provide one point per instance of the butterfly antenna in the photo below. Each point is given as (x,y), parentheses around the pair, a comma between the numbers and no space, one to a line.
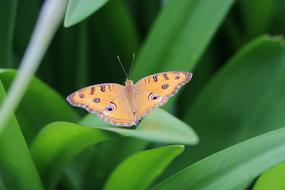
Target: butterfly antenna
(122,66)
(133,61)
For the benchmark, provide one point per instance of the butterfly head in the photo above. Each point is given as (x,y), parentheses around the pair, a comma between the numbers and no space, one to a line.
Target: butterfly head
(129,83)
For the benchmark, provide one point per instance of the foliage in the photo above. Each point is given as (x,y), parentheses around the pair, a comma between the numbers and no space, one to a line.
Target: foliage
(234,103)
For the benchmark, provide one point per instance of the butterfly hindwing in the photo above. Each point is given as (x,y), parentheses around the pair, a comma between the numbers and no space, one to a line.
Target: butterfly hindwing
(95,98)
(119,112)
(147,101)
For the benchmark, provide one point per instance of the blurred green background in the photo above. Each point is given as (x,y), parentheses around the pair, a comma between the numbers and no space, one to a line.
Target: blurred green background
(236,52)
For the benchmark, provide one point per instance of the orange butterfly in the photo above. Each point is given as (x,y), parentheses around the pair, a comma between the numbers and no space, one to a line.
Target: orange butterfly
(126,105)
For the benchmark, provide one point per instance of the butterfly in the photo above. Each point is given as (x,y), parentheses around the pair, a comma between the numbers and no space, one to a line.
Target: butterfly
(126,105)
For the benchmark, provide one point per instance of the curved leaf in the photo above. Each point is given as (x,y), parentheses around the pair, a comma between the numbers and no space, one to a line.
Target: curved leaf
(78,10)
(232,168)
(244,99)
(157,126)
(142,168)
(272,179)
(60,142)
(16,165)
(38,106)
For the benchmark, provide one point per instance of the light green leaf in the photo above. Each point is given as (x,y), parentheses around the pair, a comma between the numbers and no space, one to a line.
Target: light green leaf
(142,168)
(272,179)
(60,142)
(37,108)
(180,35)
(16,165)
(233,168)
(157,126)
(78,10)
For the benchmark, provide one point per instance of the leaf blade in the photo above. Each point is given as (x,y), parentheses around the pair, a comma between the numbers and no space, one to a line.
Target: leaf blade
(158,126)
(60,142)
(231,168)
(16,173)
(146,165)
(78,10)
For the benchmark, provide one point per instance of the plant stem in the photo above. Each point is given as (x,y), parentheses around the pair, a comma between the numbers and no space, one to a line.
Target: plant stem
(49,20)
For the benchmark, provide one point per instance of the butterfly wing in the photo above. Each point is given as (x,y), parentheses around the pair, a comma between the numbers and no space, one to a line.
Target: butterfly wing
(119,112)
(95,98)
(107,100)
(154,90)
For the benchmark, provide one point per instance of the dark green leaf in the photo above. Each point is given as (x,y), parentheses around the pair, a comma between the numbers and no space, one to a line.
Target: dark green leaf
(180,35)
(257,16)
(8,10)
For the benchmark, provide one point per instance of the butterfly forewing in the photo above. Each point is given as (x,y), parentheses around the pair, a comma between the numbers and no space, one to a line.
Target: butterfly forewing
(95,98)
(164,84)
(154,90)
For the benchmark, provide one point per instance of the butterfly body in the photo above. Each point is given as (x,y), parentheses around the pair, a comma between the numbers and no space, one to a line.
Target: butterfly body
(126,105)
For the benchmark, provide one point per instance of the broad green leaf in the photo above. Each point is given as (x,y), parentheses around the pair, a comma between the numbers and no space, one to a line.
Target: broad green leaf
(8,10)
(233,168)
(272,179)
(142,168)
(58,143)
(244,99)
(157,126)
(16,165)
(38,106)
(180,35)
(78,10)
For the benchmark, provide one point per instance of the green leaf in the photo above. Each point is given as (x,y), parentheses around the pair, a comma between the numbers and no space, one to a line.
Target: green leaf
(8,10)
(78,10)
(233,168)
(16,165)
(60,142)
(244,99)
(100,168)
(157,126)
(38,106)
(142,168)
(272,179)
(180,35)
